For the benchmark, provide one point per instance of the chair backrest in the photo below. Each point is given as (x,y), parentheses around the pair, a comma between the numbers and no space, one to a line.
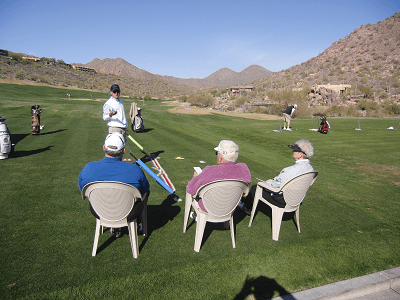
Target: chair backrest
(296,189)
(221,197)
(111,200)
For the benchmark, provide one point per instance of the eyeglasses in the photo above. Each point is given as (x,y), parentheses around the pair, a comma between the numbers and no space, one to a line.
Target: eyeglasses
(116,92)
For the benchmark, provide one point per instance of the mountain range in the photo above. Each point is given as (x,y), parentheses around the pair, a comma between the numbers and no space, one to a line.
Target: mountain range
(223,77)
(368,57)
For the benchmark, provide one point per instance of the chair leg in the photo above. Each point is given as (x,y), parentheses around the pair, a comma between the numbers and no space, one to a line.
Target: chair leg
(96,237)
(201,224)
(188,204)
(144,217)
(232,225)
(253,210)
(132,227)
(298,218)
(277,214)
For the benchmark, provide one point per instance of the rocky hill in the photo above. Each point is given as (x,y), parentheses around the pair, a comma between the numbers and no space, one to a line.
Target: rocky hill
(221,78)
(118,67)
(368,57)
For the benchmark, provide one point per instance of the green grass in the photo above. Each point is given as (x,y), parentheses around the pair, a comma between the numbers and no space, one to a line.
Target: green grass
(349,219)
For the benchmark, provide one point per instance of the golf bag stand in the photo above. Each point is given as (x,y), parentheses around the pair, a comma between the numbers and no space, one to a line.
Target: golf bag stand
(5,141)
(35,127)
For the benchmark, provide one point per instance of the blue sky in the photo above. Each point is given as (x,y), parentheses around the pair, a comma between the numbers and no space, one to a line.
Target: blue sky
(185,39)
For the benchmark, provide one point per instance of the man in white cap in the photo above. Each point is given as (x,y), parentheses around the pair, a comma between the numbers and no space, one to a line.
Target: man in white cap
(287,116)
(112,168)
(227,168)
(114,112)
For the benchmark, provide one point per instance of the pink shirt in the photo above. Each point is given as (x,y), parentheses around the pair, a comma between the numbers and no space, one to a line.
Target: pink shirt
(229,170)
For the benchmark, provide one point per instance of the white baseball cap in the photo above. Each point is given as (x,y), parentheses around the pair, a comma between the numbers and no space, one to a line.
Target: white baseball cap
(114,141)
(227,147)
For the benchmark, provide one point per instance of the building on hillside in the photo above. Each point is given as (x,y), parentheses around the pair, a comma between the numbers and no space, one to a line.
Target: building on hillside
(84,69)
(4,53)
(31,57)
(338,88)
(237,90)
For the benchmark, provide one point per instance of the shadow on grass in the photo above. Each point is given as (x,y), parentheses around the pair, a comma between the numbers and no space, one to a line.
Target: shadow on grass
(266,209)
(159,215)
(262,288)
(51,132)
(17,154)
(16,138)
(144,130)
(238,216)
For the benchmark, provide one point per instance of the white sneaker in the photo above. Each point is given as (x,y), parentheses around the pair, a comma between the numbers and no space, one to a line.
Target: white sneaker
(284,128)
(290,129)
(193,215)
(177,199)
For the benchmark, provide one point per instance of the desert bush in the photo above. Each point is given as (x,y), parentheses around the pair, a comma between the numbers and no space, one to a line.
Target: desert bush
(391,108)
(367,91)
(20,75)
(202,100)
(240,101)
(182,98)
(337,111)
(371,107)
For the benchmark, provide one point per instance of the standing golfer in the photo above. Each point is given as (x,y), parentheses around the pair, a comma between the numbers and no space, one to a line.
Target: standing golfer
(114,112)
(287,116)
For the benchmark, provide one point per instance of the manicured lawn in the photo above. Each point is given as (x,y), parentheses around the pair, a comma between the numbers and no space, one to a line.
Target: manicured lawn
(349,220)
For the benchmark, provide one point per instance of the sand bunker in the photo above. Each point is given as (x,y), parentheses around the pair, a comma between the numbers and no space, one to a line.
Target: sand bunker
(185,108)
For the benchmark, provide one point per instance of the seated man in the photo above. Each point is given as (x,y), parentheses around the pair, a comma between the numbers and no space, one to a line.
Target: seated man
(302,151)
(226,168)
(112,168)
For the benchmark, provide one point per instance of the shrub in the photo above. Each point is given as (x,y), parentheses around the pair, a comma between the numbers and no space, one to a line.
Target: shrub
(203,100)
(391,108)
(367,91)
(20,75)
(240,101)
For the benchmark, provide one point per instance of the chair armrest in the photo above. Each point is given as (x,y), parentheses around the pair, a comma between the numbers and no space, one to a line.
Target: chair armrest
(268,187)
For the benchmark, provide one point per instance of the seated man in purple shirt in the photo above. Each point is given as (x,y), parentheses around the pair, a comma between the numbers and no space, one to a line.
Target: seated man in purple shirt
(226,168)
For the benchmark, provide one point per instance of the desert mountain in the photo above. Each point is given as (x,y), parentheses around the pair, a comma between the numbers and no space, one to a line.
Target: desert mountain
(223,77)
(368,57)
(118,67)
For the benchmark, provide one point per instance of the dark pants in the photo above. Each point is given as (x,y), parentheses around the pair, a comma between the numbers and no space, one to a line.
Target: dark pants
(276,200)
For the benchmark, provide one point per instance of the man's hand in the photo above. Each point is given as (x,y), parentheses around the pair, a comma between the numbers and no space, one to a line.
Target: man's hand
(112,112)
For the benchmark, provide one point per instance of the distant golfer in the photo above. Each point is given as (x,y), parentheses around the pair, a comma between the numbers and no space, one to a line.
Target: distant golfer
(287,116)
(114,112)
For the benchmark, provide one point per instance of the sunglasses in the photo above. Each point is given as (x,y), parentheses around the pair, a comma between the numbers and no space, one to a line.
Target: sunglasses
(116,92)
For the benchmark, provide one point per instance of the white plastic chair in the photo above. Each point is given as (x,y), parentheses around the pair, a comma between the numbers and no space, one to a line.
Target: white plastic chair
(220,198)
(113,201)
(294,191)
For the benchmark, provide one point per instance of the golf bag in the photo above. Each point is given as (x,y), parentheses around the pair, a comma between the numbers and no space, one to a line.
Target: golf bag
(324,126)
(136,117)
(35,127)
(138,122)
(5,141)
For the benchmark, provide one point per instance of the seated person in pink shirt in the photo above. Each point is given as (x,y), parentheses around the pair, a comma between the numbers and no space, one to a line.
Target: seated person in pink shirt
(226,168)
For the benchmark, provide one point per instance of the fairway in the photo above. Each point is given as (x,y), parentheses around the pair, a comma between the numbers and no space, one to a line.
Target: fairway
(350,218)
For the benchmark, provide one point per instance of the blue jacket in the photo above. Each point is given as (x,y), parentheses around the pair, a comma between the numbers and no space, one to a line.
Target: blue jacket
(113,169)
